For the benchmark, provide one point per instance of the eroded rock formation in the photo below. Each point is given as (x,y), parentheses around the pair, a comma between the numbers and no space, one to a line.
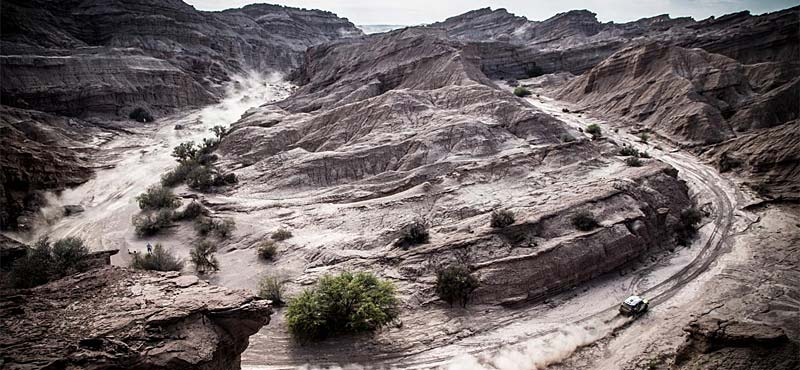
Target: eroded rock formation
(114,318)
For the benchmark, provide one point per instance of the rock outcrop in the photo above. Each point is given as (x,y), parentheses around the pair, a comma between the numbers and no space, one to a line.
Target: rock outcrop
(39,151)
(114,318)
(78,57)
(718,344)
(768,158)
(407,118)
(102,59)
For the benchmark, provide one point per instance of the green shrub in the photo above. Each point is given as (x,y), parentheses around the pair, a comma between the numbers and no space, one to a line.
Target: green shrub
(584,221)
(192,211)
(270,287)
(633,162)
(200,178)
(455,284)
(413,234)
(219,131)
(534,71)
(346,303)
(157,197)
(644,137)
(207,146)
(644,155)
(184,152)
(594,130)
(267,249)
(207,159)
(46,262)
(141,115)
(521,91)
(501,219)
(203,258)
(220,228)
(628,151)
(686,228)
(179,174)
(159,260)
(281,234)
(152,223)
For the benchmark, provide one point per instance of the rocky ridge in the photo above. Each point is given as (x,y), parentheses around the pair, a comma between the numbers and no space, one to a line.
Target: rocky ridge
(112,318)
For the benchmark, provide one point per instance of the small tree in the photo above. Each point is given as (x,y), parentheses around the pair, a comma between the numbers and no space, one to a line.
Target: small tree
(267,249)
(45,262)
(281,234)
(220,228)
(628,151)
(200,178)
(633,162)
(159,260)
(346,303)
(186,151)
(219,131)
(192,211)
(270,287)
(152,223)
(203,258)
(521,91)
(455,284)
(501,218)
(157,197)
(413,234)
(69,256)
(594,130)
(141,115)
(178,174)
(584,221)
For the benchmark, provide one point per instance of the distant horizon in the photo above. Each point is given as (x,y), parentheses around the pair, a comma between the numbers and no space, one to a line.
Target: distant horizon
(414,12)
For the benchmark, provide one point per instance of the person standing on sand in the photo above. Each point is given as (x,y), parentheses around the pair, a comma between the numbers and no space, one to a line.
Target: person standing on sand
(149,248)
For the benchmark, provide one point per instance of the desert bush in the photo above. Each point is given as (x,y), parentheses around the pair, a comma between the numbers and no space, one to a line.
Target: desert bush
(157,197)
(200,178)
(267,249)
(345,303)
(192,211)
(686,228)
(584,221)
(534,71)
(186,151)
(159,260)
(281,234)
(151,223)
(69,256)
(270,287)
(413,234)
(230,178)
(455,284)
(202,256)
(208,145)
(644,137)
(567,138)
(521,91)
(206,159)
(141,115)
(178,174)
(633,162)
(628,151)
(501,218)
(219,228)
(219,131)
(644,155)
(594,130)
(49,261)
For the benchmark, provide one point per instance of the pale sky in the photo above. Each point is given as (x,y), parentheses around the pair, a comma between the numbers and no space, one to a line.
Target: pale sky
(412,12)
